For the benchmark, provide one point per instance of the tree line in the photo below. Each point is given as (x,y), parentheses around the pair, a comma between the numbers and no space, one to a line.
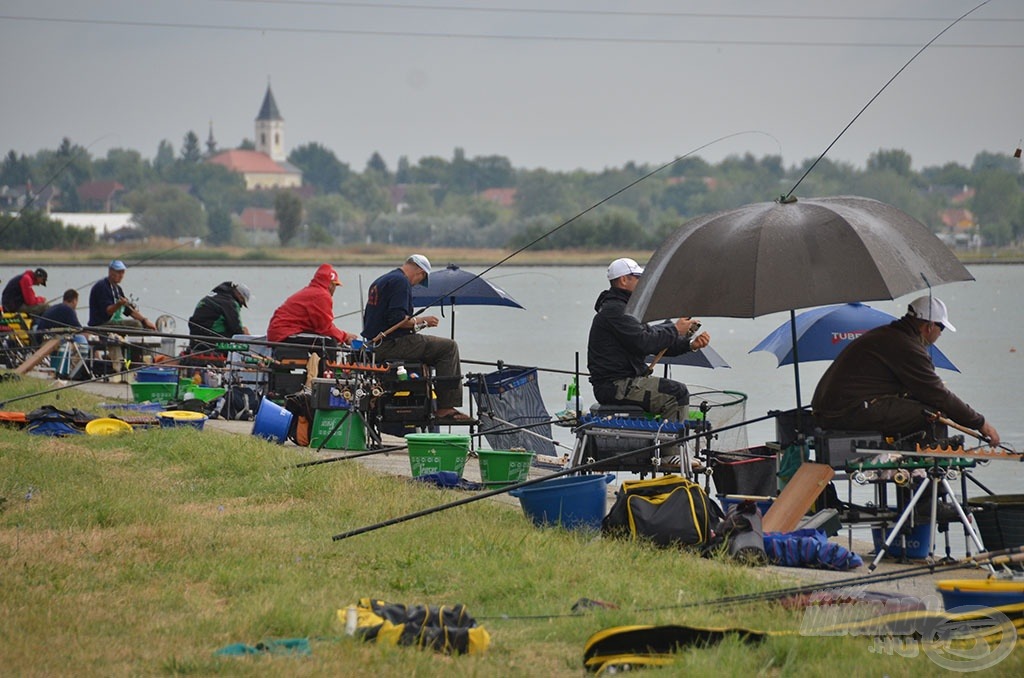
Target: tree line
(485,201)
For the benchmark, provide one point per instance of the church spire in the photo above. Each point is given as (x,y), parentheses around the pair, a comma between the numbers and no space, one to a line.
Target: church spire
(211,143)
(270,129)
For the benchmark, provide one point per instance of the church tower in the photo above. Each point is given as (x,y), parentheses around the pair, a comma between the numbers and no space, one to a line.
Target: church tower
(270,129)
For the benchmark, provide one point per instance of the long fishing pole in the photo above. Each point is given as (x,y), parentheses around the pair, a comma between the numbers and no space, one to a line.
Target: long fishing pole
(969,431)
(788,197)
(526,483)
(999,558)
(585,211)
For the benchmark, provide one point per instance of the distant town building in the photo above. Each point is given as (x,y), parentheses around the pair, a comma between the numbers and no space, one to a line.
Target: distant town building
(103,196)
(266,167)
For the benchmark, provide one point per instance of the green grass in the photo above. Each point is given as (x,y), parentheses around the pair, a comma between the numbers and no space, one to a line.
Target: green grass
(143,554)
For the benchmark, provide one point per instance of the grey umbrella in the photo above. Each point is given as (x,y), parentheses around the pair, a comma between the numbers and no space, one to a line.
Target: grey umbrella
(778,256)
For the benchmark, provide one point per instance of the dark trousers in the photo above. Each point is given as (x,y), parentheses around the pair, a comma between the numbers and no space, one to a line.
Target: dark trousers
(440,353)
(892,416)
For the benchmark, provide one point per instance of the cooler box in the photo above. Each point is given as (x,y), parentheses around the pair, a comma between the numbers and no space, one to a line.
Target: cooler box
(351,435)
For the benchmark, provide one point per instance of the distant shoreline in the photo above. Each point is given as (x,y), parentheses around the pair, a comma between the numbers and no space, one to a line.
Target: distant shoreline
(168,253)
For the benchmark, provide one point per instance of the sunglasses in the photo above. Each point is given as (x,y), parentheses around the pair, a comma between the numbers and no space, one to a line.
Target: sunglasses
(942,328)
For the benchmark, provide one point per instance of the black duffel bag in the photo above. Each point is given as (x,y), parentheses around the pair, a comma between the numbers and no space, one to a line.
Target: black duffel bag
(669,511)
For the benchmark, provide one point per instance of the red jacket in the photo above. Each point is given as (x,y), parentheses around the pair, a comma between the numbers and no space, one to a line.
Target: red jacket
(311,309)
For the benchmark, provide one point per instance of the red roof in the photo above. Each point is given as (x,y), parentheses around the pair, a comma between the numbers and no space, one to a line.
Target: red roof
(98,190)
(258,219)
(248,162)
(506,197)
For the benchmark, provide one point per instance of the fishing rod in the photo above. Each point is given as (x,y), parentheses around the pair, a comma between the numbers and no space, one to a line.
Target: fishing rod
(502,365)
(193,242)
(788,197)
(935,416)
(93,380)
(32,198)
(1000,558)
(587,210)
(527,483)
(357,455)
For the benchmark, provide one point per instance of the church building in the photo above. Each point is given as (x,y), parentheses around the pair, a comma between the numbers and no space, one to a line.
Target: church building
(267,166)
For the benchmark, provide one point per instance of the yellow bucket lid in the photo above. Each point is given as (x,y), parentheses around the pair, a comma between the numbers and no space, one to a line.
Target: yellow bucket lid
(182,415)
(107,426)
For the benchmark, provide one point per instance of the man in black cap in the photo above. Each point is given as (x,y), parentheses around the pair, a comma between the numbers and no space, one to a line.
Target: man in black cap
(18,295)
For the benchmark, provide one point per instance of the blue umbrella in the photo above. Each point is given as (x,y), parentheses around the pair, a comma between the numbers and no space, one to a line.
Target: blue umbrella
(454,286)
(822,333)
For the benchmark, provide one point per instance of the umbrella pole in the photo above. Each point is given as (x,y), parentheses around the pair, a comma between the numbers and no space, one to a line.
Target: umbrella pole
(796,363)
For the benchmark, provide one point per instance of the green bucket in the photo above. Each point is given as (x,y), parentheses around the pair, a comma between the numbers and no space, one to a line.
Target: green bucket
(504,467)
(433,452)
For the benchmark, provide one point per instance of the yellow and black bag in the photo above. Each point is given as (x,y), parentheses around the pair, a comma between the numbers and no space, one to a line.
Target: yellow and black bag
(669,511)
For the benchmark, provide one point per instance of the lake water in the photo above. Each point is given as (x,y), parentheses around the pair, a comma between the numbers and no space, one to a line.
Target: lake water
(552,329)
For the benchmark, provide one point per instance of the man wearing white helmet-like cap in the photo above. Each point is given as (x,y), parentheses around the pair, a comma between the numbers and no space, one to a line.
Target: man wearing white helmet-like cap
(391,325)
(218,315)
(885,381)
(619,344)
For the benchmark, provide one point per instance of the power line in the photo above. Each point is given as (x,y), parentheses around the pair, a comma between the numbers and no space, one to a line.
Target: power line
(601,12)
(494,36)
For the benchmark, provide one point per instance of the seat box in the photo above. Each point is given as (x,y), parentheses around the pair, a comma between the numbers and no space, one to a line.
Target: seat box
(835,448)
(351,435)
(329,394)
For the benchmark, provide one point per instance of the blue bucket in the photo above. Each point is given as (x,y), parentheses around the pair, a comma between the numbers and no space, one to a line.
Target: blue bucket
(919,542)
(154,375)
(272,421)
(574,502)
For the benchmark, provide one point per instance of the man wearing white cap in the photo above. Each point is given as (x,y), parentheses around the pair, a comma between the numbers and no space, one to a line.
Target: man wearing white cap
(389,323)
(619,344)
(885,381)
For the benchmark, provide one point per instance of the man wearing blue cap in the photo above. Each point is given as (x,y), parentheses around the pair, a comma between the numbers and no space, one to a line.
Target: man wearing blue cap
(110,308)
(108,305)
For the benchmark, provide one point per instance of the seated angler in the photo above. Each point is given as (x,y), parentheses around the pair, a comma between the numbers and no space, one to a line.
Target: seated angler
(309,311)
(19,297)
(885,381)
(619,344)
(218,315)
(389,324)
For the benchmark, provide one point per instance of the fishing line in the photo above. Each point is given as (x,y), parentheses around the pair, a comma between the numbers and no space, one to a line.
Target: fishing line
(597,204)
(71,158)
(788,197)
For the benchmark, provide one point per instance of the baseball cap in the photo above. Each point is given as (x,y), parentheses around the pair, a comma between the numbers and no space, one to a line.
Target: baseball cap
(117,265)
(931,309)
(40,275)
(624,266)
(327,271)
(423,263)
(244,291)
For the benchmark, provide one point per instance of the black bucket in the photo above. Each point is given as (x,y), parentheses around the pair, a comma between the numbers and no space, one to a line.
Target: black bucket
(1000,519)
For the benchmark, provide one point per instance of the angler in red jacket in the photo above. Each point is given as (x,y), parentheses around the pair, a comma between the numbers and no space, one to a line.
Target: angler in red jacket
(18,295)
(310,310)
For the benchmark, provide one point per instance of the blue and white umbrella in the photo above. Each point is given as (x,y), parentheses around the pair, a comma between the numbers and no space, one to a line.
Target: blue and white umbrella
(822,334)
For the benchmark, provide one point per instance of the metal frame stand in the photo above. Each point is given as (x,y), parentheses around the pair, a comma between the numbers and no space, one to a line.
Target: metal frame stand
(934,477)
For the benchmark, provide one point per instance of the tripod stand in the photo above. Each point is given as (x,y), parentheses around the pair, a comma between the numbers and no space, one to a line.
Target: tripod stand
(67,364)
(936,475)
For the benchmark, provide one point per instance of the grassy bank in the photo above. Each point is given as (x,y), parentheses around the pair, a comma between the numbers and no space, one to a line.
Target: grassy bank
(144,554)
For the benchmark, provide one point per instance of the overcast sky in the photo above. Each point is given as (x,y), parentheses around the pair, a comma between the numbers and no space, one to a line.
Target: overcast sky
(558,84)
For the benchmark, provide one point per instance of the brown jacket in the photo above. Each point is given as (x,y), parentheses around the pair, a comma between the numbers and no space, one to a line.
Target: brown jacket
(888,361)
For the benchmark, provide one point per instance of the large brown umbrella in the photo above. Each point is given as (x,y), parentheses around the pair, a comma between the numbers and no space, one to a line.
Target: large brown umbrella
(782,256)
